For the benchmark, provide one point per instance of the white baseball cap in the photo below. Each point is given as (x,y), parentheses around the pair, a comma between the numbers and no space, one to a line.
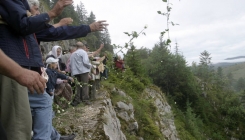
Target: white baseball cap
(51,60)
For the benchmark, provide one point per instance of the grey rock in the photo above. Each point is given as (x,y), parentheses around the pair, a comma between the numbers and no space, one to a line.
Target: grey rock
(121,93)
(123,115)
(133,127)
(112,127)
(122,106)
(140,138)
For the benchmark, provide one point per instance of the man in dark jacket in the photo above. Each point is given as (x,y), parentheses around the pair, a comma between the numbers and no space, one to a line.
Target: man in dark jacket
(17,40)
(61,31)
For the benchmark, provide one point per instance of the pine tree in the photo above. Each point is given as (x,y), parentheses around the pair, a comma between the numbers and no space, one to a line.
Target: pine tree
(205,58)
(91,18)
(240,84)
(205,73)
(93,39)
(82,13)
(134,62)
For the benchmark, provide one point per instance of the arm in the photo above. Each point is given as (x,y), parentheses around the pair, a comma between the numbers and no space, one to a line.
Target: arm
(32,80)
(63,22)
(63,33)
(64,77)
(14,13)
(97,51)
(101,59)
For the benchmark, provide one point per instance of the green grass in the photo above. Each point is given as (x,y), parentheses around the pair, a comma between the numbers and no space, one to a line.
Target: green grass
(238,70)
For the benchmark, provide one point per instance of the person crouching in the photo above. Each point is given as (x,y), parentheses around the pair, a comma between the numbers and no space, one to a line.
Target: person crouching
(52,65)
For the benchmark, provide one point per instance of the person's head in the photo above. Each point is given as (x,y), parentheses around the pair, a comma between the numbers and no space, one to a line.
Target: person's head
(52,63)
(57,51)
(72,48)
(34,7)
(80,45)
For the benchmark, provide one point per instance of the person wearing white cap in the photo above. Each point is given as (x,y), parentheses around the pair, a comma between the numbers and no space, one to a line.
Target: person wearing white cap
(52,64)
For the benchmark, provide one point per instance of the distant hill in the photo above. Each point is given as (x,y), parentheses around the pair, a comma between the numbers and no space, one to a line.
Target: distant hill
(236,68)
(225,64)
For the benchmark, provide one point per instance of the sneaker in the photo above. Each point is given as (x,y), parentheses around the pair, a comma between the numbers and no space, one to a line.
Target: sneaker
(69,137)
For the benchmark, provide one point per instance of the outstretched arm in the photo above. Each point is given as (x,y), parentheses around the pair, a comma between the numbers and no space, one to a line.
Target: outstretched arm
(61,31)
(15,14)
(97,51)
(63,22)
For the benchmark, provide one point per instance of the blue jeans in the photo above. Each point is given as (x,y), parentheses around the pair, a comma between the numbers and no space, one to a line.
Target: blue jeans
(55,135)
(41,110)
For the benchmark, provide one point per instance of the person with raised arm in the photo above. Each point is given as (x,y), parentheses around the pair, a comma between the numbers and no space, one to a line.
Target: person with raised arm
(17,41)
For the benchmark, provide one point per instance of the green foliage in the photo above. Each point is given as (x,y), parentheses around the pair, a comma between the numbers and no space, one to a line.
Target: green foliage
(79,16)
(134,62)
(144,112)
(236,70)
(193,123)
(220,108)
(171,73)
(240,85)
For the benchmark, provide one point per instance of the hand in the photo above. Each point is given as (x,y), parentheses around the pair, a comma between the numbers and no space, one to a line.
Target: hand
(65,21)
(58,8)
(63,72)
(32,80)
(65,81)
(71,79)
(98,26)
(102,45)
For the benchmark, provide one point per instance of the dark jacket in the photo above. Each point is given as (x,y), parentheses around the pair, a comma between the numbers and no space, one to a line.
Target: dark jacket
(53,75)
(17,38)
(63,33)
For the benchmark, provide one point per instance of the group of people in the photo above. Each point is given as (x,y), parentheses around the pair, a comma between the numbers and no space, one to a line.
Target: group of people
(25,104)
(86,66)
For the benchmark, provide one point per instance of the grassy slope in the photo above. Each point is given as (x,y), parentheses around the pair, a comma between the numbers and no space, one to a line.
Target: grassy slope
(238,70)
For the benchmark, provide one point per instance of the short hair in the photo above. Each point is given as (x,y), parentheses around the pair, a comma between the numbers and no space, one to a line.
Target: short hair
(72,47)
(33,3)
(79,44)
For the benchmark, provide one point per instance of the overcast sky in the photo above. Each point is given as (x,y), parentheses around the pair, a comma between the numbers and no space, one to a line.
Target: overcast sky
(213,25)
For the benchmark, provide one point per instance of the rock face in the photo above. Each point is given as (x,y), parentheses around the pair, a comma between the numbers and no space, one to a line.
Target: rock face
(166,119)
(112,126)
(102,121)
(96,121)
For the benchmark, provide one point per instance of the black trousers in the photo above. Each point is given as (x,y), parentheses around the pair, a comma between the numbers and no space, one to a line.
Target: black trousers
(2,133)
(82,91)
